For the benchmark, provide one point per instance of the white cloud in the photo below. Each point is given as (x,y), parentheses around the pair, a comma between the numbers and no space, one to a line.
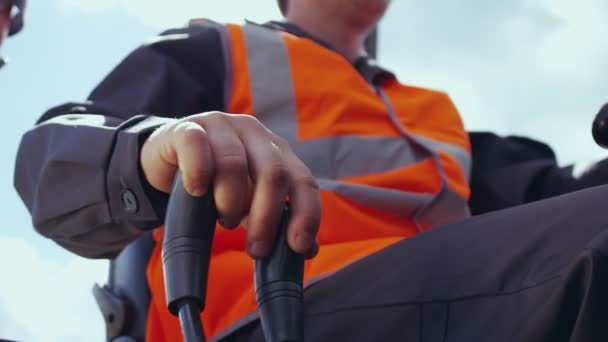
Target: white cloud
(527,67)
(580,43)
(43,300)
(163,14)
(87,6)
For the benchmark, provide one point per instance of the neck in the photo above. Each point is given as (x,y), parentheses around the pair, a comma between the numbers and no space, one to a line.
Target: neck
(345,40)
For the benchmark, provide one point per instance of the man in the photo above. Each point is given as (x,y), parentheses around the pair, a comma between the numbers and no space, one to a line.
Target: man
(296,109)
(11,20)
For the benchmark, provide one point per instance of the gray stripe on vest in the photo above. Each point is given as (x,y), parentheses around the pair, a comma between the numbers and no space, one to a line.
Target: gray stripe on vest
(271,84)
(338,158)
(458,153)
(398,202)
(274,103)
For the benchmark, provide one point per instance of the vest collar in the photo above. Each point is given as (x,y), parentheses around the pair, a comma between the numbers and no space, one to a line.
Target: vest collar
(366,65)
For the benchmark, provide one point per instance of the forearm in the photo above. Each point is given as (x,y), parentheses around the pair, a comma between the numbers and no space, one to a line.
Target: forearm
(78,176)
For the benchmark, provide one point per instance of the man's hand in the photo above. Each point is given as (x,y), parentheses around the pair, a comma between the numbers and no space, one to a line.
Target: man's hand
(252,172)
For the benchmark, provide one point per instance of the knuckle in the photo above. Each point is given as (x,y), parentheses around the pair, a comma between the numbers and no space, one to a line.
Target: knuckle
(232,161)
(207,117)
(307,181)
(188,130)
(247,120)
(191,139)
(214,114)
(160,132)
(184,125)
(277,174)
(281,142)
(193,136)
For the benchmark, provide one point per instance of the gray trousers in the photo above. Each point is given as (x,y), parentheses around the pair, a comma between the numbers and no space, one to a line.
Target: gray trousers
(537,272)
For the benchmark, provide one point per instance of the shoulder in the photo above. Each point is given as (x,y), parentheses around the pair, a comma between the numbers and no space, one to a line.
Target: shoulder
(509,148)
(198,33)
(195,48)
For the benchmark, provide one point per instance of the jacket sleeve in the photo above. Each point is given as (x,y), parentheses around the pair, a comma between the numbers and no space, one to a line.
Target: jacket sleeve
(77,169)
(509,171)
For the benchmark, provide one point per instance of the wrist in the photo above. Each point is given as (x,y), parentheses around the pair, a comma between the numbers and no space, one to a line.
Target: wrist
(130,196)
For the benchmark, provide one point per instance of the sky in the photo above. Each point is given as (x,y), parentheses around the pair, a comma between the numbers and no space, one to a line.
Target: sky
(534,68)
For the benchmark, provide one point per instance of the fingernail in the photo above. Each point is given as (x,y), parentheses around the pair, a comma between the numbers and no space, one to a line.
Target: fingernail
(304,241)
(228,222)
(313,251)
(197,192)
(257,248)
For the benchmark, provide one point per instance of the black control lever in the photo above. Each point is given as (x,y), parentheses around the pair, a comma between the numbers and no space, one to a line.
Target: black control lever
(188,236)
(600,127)
(189,229)
(278,289)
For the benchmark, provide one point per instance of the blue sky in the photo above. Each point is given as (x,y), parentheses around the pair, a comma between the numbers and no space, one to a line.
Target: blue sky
(529,67)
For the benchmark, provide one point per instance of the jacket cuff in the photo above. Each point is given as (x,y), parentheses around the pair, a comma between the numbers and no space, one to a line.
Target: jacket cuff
(130,197)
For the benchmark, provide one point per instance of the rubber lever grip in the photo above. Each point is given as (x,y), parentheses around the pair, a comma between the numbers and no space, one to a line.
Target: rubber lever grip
(279,291)
(186,250)
(600,127)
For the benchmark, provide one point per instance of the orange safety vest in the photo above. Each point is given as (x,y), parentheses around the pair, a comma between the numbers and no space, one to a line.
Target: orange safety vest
(391,160)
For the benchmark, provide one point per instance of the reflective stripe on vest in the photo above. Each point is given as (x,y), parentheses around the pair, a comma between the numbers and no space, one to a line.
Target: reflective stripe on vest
(274,105)
(391,160)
